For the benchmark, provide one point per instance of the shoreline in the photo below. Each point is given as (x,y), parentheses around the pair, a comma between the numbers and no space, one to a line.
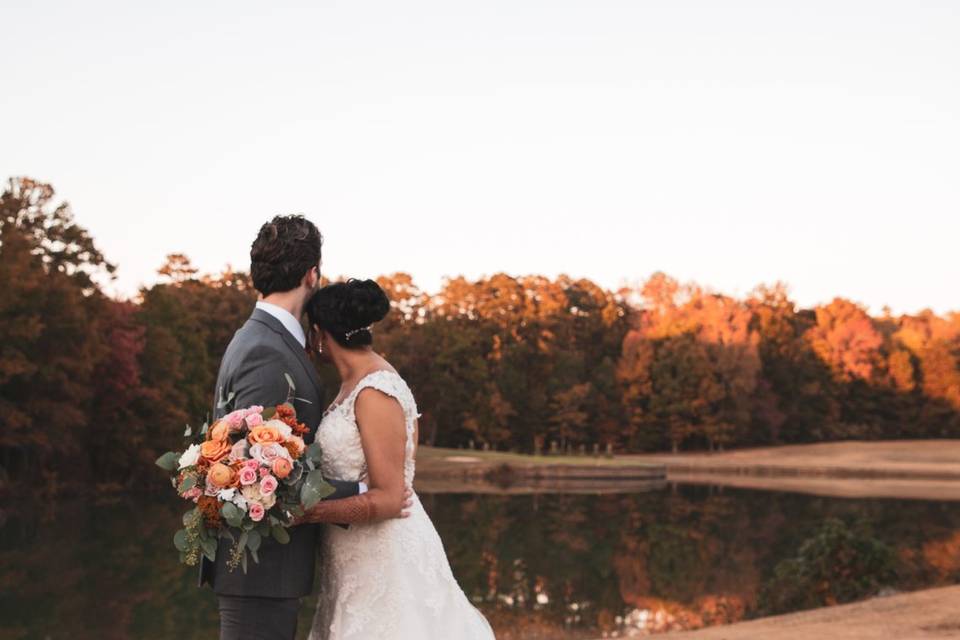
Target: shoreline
(907,469)
(917,615)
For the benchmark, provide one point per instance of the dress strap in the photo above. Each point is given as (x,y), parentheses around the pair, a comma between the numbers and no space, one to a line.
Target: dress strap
(391,384)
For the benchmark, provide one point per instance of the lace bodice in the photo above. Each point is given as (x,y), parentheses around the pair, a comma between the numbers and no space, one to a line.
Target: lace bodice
(339,435)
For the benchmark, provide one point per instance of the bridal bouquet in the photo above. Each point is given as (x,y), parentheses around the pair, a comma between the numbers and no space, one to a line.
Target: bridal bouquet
(250,473)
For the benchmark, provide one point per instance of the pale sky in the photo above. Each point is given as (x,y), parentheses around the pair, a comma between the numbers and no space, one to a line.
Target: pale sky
(729,143)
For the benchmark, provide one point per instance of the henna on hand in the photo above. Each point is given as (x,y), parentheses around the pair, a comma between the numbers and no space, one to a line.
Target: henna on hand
(353,510)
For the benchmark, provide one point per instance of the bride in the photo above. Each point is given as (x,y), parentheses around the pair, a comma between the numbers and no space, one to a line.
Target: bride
(381,577)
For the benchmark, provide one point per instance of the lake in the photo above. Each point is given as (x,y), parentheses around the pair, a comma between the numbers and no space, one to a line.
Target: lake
(539,566)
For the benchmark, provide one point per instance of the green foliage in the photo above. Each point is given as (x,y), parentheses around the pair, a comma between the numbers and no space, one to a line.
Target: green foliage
(314,489)
(836,564)
(168,461)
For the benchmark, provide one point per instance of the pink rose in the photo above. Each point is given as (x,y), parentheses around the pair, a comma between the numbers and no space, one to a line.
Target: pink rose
(264,471)
(252,464)
(254,410)
(238,451)
(268,485)
(256,511)
(248,475)
(210,489)
(235,419)
(254,420)
(192,493)
(266,453)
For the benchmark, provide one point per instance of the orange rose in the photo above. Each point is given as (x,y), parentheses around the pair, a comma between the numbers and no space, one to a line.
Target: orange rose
(214,450)
(264,434)
(219,431)
(220,475)
(281,467)
(295,446)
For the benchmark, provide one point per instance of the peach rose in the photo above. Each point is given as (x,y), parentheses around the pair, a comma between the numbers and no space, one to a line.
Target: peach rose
(281,467)
(220,475)
(295,446)
(264,434)
(219,430)
(214,450)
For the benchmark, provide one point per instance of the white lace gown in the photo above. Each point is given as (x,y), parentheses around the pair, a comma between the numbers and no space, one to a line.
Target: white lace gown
(389,580)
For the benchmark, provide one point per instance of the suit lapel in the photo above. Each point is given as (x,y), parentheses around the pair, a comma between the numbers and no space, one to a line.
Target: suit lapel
(299,352)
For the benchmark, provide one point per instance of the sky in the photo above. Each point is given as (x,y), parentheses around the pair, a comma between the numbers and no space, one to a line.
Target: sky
(727,143)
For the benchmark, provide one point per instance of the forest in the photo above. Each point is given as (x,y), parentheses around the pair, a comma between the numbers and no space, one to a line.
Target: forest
(92,387)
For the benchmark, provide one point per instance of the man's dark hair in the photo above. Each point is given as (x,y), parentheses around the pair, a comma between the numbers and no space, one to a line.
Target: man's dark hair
(286,248)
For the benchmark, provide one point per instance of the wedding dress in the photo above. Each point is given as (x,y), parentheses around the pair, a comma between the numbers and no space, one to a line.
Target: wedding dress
(387,580)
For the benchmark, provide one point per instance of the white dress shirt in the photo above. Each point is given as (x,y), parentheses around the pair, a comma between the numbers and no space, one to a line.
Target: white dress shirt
(293,326)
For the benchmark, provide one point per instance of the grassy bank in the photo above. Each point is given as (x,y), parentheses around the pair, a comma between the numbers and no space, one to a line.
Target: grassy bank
(913,469)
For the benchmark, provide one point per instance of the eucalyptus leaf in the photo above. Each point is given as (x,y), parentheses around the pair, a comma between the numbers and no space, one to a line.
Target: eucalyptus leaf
(169,461)
(268,413)
(253,540)
(314,452)
(280,534)
(326,490)
(189,482)
(242,542)
(180,540)
(232,514)
(314,489)
(255,557)
(209,547)
(243,561)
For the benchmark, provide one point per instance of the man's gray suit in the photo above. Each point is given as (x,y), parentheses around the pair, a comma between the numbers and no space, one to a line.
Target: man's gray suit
(254,368)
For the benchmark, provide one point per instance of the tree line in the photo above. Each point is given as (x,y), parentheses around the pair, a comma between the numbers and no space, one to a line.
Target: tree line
(92,387)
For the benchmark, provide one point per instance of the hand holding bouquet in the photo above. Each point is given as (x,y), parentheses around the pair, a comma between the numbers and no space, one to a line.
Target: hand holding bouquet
(249,477)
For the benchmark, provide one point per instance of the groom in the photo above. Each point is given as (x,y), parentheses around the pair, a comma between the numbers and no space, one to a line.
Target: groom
(263,603)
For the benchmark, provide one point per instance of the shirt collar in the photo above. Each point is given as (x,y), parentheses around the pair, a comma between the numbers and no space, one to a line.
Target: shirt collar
(291,324)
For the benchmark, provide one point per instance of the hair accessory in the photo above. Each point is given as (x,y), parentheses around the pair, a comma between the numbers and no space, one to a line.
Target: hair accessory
(369,327)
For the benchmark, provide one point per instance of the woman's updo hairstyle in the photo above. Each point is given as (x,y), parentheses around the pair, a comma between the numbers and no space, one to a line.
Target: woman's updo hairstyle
(348,310)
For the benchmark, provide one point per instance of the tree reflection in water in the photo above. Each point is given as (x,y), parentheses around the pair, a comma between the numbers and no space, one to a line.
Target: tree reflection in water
(541,566)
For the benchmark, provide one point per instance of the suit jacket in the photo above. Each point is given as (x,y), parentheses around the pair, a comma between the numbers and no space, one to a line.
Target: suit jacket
(253,368)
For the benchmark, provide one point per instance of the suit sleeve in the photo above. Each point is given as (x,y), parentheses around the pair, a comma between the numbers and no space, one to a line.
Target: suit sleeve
(262,381)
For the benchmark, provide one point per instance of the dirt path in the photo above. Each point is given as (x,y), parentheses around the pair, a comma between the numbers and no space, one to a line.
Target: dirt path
(922,615)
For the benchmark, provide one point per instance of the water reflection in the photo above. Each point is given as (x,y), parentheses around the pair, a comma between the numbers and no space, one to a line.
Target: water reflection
(540,566)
